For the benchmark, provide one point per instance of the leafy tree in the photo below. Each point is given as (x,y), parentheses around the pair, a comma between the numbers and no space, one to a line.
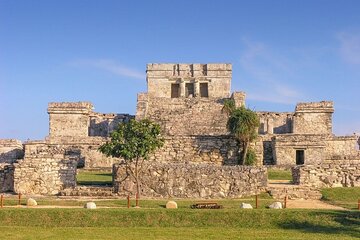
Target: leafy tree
(133,142)
(243,123)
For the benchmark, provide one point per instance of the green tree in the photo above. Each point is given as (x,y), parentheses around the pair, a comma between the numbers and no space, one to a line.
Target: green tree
(133,142)
(243,123)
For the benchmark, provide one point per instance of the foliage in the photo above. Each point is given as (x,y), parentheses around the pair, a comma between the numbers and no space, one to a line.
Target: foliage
(250,158)
(243,123)
(229,105)
(134,141)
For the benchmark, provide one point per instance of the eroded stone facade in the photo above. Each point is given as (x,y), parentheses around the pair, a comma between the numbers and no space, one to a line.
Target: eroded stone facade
(331,174)
(166,180)
(45,174)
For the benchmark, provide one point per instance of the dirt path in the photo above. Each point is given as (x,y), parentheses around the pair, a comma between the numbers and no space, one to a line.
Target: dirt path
(311,204)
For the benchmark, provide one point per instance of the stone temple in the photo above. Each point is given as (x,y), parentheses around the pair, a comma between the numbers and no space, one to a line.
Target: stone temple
(186,100)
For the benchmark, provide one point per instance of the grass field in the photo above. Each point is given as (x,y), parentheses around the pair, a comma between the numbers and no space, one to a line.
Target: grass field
(153,221)
(275,174)
(178,224)
(264,200)
(343,197)
(94,178)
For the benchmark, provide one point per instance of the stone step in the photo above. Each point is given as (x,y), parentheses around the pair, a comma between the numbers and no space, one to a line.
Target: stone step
(89,191)
(293,192)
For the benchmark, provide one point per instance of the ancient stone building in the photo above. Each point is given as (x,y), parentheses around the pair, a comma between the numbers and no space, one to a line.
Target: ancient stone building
(187,101)
(304,137)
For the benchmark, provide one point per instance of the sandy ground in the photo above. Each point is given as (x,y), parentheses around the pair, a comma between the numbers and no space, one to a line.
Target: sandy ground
(311,204)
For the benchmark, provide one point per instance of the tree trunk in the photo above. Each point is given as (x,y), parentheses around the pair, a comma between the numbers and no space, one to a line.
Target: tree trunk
(137,180)
(245,150)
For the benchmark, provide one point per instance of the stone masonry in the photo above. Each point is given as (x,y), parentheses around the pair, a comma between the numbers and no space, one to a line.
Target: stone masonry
(6,177)
(187,101)
(45,175)
(333,174)
(164,180)
(10,150)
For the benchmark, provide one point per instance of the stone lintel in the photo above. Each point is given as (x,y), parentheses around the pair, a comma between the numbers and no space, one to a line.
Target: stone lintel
(10,142)
(70,107)
(315,107)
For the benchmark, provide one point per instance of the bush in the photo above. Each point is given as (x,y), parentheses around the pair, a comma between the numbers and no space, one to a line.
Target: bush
(250,159)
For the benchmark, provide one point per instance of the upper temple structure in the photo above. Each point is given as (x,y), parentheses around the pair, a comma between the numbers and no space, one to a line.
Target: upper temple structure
(187,101)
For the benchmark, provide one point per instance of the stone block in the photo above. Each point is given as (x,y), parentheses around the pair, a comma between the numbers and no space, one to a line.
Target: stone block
(246,205)
(171,205)
(31,202)
(90,205)
(276,205)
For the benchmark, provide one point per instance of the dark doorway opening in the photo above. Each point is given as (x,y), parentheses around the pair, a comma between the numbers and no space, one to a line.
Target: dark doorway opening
(300,157)
(189,89)
(204,92)
(175,90)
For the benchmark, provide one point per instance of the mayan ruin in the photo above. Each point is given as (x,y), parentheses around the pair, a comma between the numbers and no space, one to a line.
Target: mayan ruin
(199,158)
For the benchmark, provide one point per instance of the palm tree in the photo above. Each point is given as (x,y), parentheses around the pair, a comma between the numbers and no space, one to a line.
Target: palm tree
(243,123)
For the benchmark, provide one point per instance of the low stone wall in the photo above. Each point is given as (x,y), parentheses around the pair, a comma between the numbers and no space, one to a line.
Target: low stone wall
(335,174)
(45,175)
(164,180)
(6,177)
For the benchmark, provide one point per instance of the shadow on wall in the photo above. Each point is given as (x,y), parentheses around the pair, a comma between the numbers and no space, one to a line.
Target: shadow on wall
(103,124)
(67,173)
(11,156)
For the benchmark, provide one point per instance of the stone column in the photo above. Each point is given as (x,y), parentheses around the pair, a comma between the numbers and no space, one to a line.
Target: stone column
(270,126)
(182,88)
(197,88)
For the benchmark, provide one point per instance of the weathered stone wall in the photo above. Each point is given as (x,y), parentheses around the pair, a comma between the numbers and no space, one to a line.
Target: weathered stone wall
(85,148)
(185,116)
(6,177)
(317,148)
(10,150)
(103,124)
(69,119)
(275,123)
(161,76)
(313,118)
(341,146)
(45,175)
(285,146)
(199,149)
(335,174)
(164,180)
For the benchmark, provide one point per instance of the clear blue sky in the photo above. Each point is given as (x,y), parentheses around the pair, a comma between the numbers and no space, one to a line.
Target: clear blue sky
(283,52)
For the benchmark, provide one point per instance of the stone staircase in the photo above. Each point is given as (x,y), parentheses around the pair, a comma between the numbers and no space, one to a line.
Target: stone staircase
(89,191)
(278,189)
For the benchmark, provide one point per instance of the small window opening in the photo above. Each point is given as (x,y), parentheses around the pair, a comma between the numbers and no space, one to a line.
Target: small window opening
(300,157)
(204,92)
(189,90)
(175,90)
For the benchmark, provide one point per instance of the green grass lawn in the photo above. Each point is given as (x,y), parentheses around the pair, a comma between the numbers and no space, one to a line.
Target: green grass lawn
(275,174)
(264,200)
(344,197)
(180,223)
(94,177)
